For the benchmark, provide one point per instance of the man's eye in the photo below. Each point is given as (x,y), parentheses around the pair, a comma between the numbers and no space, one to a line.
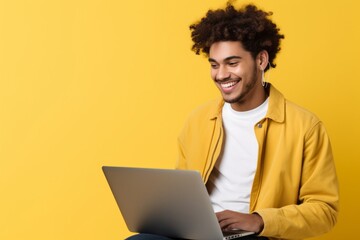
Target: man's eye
(233,63)
(214,66)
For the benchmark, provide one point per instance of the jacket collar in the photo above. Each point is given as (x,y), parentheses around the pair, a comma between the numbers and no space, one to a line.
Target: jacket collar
(276,110)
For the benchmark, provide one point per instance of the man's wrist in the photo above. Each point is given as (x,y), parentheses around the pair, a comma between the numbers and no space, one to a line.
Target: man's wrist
(260,223)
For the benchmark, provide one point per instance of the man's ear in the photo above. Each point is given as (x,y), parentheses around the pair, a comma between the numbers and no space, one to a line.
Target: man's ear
(263,59)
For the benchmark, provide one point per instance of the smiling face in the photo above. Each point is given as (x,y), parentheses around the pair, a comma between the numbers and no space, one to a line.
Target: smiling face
(237,74)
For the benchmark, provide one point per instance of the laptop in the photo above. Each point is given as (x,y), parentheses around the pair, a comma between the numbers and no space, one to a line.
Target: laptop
(172,203)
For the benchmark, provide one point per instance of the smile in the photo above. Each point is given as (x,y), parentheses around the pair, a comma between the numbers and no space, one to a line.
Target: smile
(228,84)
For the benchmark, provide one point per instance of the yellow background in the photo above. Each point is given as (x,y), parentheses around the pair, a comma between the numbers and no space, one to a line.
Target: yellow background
(90,83)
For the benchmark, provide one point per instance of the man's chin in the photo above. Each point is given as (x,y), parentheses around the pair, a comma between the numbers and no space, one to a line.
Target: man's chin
(232,100)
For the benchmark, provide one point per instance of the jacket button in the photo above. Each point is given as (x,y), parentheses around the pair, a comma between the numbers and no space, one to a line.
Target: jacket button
(259,125)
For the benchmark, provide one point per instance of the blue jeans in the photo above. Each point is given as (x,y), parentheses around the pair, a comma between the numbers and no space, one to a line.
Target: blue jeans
(144,236)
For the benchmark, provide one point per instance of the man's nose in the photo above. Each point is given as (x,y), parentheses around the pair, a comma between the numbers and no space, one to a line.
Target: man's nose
(222,74)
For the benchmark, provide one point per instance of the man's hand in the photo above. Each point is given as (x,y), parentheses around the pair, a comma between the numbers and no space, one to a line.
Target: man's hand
(230,220)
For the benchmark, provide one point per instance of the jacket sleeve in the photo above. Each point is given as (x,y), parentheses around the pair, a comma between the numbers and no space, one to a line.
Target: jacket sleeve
(183,147)
(318,202)
(181,161)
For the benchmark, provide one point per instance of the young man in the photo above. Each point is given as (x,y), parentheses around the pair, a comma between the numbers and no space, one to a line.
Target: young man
(267,163)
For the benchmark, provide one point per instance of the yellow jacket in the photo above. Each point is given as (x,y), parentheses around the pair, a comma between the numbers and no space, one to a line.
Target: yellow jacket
(295,189)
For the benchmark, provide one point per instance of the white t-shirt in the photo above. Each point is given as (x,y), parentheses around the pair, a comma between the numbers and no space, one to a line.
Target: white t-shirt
(231,179)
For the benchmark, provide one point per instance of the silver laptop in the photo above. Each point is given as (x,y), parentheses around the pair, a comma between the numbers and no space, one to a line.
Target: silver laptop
(172,203)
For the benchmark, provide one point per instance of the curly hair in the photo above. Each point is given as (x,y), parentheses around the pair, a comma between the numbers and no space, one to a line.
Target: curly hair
(249,25)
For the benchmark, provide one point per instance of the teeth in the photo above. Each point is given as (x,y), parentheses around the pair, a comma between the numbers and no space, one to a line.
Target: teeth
(228,84)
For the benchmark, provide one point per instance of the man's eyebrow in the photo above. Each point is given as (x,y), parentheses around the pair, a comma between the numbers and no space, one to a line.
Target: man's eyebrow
(232,57)
(226,59)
